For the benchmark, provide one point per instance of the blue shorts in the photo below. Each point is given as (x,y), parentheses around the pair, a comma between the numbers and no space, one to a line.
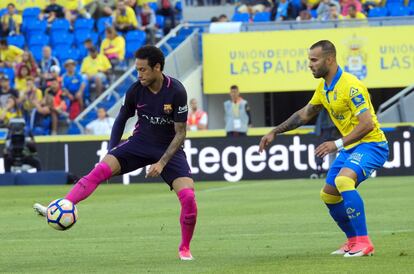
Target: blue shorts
(364,159)
(134,154)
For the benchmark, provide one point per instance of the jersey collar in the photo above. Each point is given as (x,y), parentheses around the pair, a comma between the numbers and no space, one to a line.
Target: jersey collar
(334,80)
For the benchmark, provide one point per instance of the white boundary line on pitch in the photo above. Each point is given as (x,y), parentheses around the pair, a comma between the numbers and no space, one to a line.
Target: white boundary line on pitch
(236,185)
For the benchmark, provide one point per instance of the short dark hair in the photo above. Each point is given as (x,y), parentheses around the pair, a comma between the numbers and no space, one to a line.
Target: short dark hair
(3,42)
(234,87)
(352,6)
(11,5)
(88,40)
(332,5)
(327,46)
(151,53)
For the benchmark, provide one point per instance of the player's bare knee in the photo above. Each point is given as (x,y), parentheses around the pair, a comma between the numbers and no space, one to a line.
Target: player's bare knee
(344,183)
(113,163)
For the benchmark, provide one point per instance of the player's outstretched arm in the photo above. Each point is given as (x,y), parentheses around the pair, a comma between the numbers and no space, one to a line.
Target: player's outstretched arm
(299,118)
(180,133)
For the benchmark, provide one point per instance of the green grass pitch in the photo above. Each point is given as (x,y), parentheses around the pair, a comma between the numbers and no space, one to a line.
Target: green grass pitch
(276,226)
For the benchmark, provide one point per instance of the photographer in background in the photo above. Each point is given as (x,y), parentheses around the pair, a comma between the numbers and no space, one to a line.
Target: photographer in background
(20,152)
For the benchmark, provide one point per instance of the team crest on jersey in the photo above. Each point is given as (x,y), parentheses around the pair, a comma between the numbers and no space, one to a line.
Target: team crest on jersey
(168,108)
(353,92)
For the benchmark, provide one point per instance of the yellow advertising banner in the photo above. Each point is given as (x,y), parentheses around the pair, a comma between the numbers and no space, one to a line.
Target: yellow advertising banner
(277,61)
(22,4)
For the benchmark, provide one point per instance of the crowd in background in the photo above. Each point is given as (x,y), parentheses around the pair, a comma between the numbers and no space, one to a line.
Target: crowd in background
(47,85)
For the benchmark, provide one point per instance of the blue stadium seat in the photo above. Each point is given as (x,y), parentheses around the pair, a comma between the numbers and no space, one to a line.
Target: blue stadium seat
(32,12)
(64,53)
(135,35)
(73,129)
(37,52)
(107,103)
(262,17)
(62,25)
(16,40)
(240,17)
(38,40)
(35,25)
(59,38)
(175,41)
(378,12)
(314,13)
(160,21)
(399,11)
(179,6)
(153,5)
(134,39)
(82,35)
(103,22)
(84,24)
(394,3)
(3,11)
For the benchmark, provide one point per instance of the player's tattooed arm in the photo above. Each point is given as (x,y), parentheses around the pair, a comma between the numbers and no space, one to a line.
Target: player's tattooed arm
(180,133)
(299,118)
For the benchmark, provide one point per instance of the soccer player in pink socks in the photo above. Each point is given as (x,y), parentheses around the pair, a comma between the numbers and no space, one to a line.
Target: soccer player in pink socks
(160,102)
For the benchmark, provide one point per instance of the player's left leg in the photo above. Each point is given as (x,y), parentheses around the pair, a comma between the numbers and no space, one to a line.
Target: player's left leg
(177,175)
(184,188)
(346,185)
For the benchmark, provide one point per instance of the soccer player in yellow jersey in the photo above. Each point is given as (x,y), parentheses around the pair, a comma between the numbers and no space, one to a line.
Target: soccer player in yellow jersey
(363,147)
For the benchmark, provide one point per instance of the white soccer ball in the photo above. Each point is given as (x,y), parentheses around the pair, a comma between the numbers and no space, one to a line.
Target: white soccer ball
(62,214)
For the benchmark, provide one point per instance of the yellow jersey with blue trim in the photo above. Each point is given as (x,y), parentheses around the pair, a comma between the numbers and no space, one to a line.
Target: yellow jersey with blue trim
(345,99)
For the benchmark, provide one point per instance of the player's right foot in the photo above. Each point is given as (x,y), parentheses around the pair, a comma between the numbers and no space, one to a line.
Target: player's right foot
(40,209)
(360,249)
(346,247)
(185,255)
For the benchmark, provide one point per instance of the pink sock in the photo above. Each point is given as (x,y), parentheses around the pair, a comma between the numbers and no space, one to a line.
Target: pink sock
(188,216)
(85,186)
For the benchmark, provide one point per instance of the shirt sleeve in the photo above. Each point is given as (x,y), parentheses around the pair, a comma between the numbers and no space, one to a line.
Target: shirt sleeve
(358,100)
(180,110)
(127,111)
(316,100)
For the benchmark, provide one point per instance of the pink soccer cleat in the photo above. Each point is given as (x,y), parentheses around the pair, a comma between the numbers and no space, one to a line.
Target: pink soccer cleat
(185,255)
(346,247)
(363,247)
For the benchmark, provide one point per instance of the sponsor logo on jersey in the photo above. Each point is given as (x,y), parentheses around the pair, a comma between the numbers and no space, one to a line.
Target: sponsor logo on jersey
(182,109)
(154,120)
(358,100)
(168,108)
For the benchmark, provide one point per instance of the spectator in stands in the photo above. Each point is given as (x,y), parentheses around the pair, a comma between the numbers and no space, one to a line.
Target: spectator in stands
(75,9)
(102,125)
(11,110)
(323,9)
(48,60)
(214,19)
(29,96)
(345,4)
(236,114)
(197,118)
(59,104)
(29,61)
(125,18)
(148,22)
(6,91)
(100,8)
(73,88)
(304,15)
(354,14)
(11,21)
(282,10)
(96,66)
(20,80)
(223,18)
(87,45)
(113,46)
(42,116)
(134,5)
(10,54)
(369,4)
(166,9)
(334,13)
(312,4)
(253,6)
(52,11)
